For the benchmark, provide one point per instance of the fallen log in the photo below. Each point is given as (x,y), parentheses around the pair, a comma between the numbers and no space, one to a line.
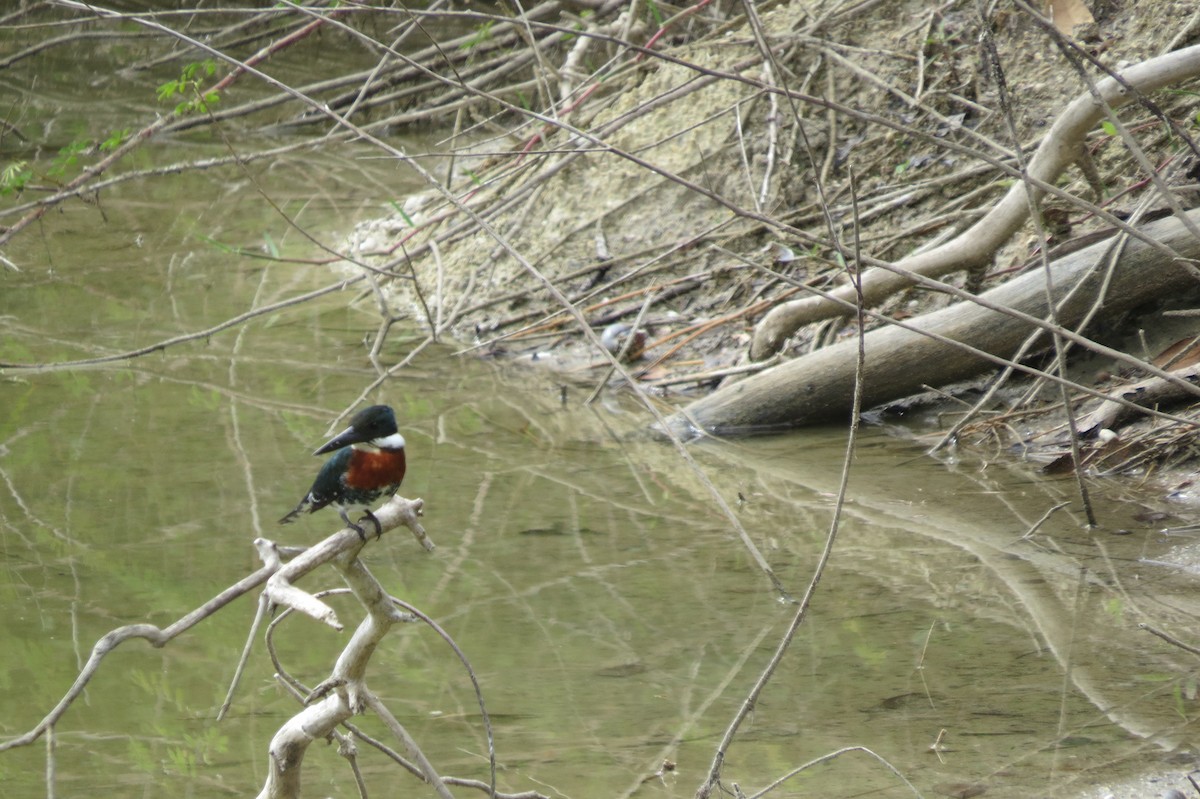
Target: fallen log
(900,362)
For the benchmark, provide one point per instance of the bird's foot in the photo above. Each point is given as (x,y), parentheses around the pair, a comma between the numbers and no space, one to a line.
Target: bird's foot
(378,527)
(355,527)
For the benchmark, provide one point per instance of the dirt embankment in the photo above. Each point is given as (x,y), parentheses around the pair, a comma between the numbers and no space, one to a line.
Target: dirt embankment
(747,164)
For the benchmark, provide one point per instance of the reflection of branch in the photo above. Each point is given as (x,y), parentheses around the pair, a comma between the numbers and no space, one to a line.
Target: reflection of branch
(713,779)
(157,638)
(186,337)
(832,756)
(1170,639)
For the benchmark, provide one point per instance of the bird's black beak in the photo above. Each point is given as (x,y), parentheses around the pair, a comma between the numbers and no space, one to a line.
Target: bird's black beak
(343,439)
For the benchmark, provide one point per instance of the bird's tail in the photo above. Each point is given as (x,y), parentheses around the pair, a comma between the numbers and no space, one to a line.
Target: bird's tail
(291,517)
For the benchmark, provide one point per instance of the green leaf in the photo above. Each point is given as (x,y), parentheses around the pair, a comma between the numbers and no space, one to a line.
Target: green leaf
(14,177)
(399,209)
(1109,128)
(654,12)
(114,141)
(482,34)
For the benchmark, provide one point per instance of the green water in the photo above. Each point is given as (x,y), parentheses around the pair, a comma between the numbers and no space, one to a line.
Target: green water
(613,617)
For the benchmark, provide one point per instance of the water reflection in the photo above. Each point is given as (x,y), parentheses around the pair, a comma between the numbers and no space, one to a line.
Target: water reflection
(615,620)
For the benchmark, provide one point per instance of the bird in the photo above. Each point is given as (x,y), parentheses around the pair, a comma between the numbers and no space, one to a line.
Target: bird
(614,337)
(368,463)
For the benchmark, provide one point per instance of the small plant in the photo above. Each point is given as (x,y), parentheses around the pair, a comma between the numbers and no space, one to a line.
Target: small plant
(115,140)
(655,13)
(67,157)
(190,87)
(482,34)
(14,177)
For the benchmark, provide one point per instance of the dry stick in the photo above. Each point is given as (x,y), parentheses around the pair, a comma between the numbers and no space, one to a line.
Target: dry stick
(451,101)
(1031,197)
(397,729)
(169,169)
(220,36)
(259,614)
(1083,341)
(1169,638)
(1076,55)
(1111,258)
(548,322)
(474,678)
(714,774)
(291,223)
(70,38)
(344,693)
(379,380)
(911,102)
(1146,392)
(1073,54)
(713,374)
(1033,528)
(764,192)
(764,48)
(157,638)
(355,79)
(362,93)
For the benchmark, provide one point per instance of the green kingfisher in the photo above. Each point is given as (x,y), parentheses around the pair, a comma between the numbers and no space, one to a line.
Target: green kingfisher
(368,463)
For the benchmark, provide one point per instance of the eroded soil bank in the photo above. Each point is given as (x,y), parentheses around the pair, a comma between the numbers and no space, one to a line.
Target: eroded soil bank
(748,163)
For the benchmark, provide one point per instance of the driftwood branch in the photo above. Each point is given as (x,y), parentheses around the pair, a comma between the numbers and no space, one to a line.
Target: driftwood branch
(280,590)
(975,245)
(344,693)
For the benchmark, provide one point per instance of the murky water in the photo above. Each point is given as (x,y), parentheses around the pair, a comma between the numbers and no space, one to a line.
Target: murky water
(613,617)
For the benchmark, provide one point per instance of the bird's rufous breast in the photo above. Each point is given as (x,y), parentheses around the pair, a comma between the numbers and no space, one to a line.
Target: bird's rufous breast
(370,470)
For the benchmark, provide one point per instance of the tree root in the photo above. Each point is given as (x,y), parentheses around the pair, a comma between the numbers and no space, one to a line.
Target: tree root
(976,245)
